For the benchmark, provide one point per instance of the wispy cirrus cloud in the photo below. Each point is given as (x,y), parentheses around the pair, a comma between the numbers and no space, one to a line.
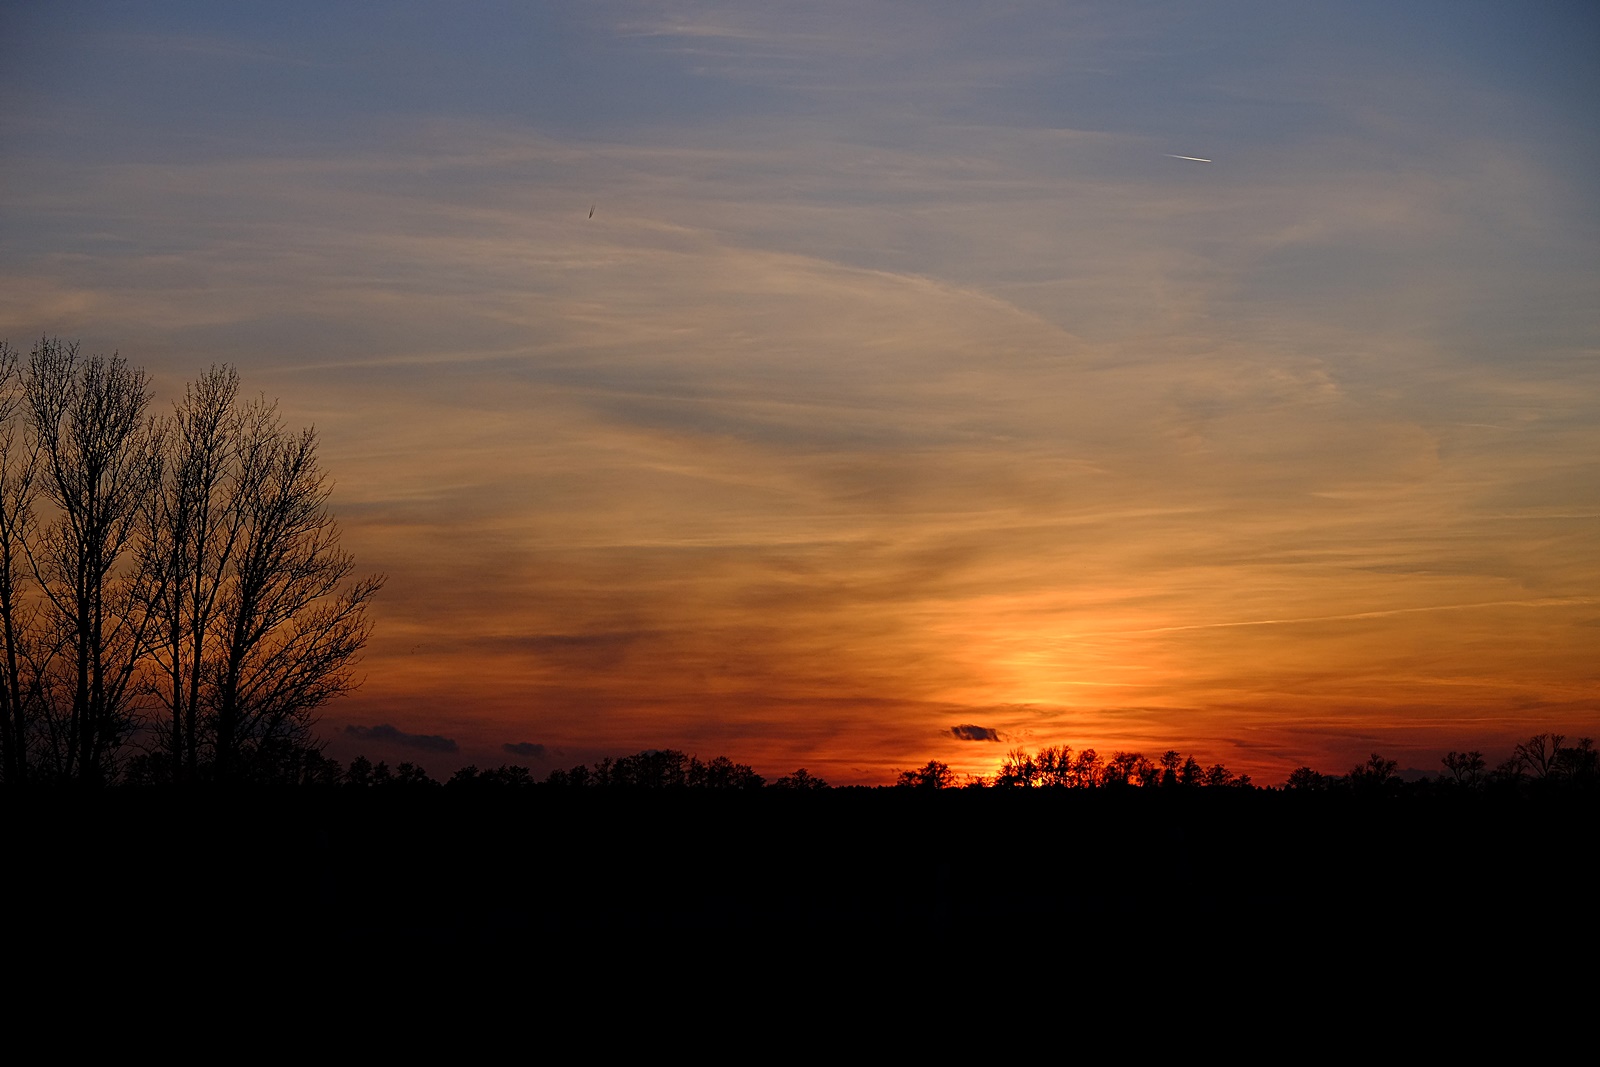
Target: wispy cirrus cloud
(900,387)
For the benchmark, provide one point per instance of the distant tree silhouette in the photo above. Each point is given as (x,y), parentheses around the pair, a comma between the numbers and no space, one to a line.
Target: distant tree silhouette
(1544,759)
(411,774)
(1019,771)
(651,769)
(659,769)
(363,773)
(1377,775)
(1580,763)
(1171,762)
(1056,767)
(801,780)
(1218,776)
(359,773)
(1304,779)
(1125,768)
(1191,773)
(1466,768)
(1087,770)
(576,778)
(506,776)
(931,775)
(721,773)
(1539,756)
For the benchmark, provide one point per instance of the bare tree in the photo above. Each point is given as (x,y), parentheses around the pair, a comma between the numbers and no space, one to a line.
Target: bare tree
(97,460)
(289,621)
(1377,775)
(255,623)
(1466,768)
(1539,756)
(182,579)
(16,525)
(193,524)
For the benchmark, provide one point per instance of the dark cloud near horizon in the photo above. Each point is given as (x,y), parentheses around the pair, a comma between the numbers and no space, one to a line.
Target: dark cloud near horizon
(968,732)
(393,735)
(524,748)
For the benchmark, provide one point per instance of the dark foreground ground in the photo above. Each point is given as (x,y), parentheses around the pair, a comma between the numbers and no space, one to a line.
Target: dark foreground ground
(546,874)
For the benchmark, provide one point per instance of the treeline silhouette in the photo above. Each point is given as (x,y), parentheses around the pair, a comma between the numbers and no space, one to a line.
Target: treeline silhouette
(652,769)
(1543,761)
(377,861)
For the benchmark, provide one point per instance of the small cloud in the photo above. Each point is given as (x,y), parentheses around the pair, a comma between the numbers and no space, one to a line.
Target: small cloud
(968,732)
(524,748)
(394,736)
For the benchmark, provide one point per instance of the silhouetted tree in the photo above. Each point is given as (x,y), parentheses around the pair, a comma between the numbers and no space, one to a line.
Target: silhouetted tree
(1019,770)
(285,762)
(1219,776)
(359,773)
(652,769)
(502,777)
(722,773)
(510,776)
(1580,763)
(363,774)
(1056,768)
(1377,775)
(411,775)
(576,778)
(1544,759)
(194,518)
(1307,780)
(1086,770)
(291,625)
(18,465)
(1466,768)
(932,775)
(97,461)
(1124,768)
(801,780)
(1171,762)
(1539,755)
(1191,773)
(189,561)
(665,768)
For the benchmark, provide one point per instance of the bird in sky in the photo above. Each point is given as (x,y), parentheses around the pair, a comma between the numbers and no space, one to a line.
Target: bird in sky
(591,211)
(1192,159)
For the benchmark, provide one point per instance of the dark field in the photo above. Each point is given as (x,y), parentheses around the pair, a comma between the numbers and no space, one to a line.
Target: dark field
(536,871)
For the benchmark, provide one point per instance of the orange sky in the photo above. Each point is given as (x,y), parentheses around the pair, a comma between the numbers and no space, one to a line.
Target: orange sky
(901,380)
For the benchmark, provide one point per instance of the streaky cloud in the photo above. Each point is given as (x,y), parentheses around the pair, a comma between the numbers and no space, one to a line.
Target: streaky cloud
(387,734)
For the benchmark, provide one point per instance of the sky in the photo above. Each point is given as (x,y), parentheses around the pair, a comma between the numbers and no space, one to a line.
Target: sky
(849,385)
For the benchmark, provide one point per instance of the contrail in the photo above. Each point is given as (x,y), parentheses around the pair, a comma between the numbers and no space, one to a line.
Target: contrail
(1193,159)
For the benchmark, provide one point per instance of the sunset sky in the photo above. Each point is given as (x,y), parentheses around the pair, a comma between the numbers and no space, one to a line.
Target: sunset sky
(907,395)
